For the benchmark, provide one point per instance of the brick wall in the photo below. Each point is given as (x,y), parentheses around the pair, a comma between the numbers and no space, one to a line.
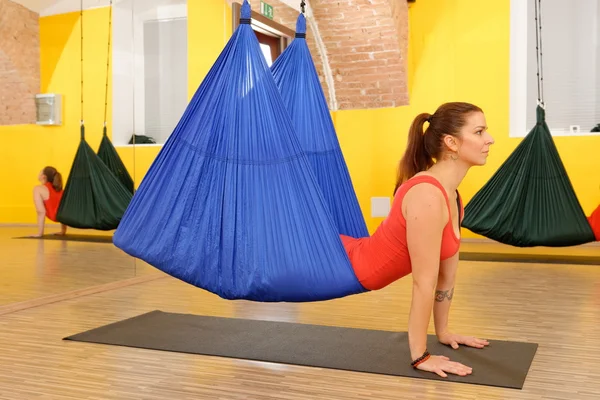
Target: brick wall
(365,43)
(19,63)
(365,51)
(400,16)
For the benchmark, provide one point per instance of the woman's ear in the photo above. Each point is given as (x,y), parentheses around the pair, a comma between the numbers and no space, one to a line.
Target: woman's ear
(451,143)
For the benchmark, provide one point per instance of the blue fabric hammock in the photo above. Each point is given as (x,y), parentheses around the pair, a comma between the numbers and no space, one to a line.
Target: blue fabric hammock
(298,83)
(231,204)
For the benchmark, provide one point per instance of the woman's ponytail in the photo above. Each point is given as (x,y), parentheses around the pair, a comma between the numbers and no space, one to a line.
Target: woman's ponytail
(416,158)
(57,182)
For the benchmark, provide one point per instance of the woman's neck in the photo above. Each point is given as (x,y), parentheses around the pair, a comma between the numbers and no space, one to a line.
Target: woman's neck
(450,173)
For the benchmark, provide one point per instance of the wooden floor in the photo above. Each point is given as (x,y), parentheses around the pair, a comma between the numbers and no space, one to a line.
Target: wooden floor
(557,306)
(33,268)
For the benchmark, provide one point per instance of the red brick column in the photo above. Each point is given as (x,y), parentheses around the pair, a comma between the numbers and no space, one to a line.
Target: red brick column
(19,63)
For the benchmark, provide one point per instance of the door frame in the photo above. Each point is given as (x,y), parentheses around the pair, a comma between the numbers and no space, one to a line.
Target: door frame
(264,25)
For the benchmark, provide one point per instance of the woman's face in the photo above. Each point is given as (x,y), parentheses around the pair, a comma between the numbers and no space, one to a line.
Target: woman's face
(475,141)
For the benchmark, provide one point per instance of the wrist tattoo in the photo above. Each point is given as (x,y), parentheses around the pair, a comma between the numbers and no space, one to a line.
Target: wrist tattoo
(440,295)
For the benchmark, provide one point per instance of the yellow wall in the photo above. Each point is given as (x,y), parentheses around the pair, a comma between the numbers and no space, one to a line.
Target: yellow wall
(459,51)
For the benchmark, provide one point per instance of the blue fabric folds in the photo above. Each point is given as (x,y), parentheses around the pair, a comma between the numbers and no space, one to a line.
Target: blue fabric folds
(298,83)
(231,204)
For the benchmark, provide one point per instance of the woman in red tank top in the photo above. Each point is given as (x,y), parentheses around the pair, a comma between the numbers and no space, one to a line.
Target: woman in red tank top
(46,198)
(421,234)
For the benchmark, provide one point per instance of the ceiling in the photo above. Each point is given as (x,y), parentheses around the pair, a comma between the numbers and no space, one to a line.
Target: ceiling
(51,7)
(35,5)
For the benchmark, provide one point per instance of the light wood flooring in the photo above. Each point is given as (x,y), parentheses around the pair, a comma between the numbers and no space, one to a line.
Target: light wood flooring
(33,268)
(557,306)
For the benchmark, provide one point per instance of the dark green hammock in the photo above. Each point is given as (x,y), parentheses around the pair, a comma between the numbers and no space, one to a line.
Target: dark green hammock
(94,198)
(108,154)
(530,201)
(99,188)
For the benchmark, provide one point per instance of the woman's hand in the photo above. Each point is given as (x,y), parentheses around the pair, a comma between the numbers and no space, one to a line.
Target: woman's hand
(453,340)
(440,365)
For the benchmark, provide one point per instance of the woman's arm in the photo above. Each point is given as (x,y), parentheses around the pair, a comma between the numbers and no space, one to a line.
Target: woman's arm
(38,200)
(444,293)
(423,208)
(441,309)
(424,212)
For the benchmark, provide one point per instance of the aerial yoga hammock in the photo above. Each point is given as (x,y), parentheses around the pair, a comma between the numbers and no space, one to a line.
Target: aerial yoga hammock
(298,83)
(232,204)
(94,198)
(530,201)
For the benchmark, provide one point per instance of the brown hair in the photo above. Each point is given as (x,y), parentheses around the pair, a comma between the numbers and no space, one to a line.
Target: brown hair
(424,147)
(54,177)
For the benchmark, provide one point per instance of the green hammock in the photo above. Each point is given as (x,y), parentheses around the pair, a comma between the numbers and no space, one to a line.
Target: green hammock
(93,197)
(108,154)
(530,201)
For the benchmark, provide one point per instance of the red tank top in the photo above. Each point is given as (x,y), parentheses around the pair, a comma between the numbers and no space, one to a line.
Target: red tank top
(383,258)
(594,221)
(53,201)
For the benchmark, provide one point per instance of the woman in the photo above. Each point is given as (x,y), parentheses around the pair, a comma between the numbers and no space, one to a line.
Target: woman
(46,198)
(422,231)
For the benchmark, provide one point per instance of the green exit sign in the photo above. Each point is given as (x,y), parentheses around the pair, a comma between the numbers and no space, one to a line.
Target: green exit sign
(266,10)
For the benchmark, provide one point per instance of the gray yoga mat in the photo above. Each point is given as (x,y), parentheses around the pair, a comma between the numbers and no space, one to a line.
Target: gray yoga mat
(502,363)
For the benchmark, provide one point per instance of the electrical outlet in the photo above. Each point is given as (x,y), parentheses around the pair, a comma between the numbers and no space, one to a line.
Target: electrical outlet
(380,206)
